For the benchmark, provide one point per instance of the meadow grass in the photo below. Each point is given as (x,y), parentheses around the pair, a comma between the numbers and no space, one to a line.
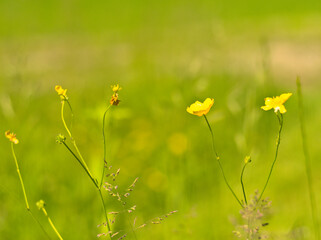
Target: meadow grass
(166,55)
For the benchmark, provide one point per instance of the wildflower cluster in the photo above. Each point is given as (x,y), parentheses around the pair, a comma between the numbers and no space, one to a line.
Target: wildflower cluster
(251,211)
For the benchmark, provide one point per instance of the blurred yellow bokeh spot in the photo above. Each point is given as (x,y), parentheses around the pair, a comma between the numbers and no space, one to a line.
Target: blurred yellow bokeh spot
(177,143)
(156,180)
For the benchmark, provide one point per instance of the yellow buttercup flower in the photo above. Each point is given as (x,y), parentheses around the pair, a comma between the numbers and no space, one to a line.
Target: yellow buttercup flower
(116,88)
(61,92)
(276,103)
(12,137)
(199,108)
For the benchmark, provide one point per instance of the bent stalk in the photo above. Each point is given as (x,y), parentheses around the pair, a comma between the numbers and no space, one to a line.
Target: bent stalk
(219,163)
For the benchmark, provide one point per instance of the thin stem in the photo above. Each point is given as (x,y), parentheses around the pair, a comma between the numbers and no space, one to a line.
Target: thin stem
(72,113)
(105,212)
(307,162)
(280,118)
(80,162)
(71,138)
(21,181)
(63,119)
(24,191)
(37,221)
(243,189)
(105,161)
(51,224)
(219,162)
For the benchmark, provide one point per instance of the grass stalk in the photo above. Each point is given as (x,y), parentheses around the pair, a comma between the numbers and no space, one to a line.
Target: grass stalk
(307,162)
(219,162)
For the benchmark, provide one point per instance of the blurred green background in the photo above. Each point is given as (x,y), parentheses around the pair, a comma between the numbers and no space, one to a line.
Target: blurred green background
(165,55)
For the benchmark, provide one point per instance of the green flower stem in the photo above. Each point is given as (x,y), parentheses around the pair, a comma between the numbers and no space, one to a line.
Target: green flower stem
(280,118)
(51,223)
(70,135)
(104,137)
(243,189)
(21,181)
(81,163)
(95,183)
(219,163)
(36,220)
(307,163)
(24,192)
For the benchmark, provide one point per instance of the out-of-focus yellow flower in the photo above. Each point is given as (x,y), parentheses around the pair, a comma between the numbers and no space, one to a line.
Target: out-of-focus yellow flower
(276,103)
(114,99)
(12,137)
(199,108)
(177,143)
(61,92)
(41,204)
(116,88)
(247,159)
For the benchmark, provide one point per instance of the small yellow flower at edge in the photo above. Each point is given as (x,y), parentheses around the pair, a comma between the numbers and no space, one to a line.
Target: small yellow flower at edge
(199,108)
(61,92)
(276,103)
(116,88)
(12,137)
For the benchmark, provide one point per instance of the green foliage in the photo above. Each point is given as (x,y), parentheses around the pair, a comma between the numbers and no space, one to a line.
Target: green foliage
(165,55)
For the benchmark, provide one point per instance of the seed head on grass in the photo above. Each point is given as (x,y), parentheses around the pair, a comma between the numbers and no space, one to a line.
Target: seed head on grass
(122,196)
(253,223)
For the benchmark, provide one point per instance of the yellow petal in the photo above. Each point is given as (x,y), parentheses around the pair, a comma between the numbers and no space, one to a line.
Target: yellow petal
(284,97)
(268,101)
(189,110)
(282,109)
(266,108)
